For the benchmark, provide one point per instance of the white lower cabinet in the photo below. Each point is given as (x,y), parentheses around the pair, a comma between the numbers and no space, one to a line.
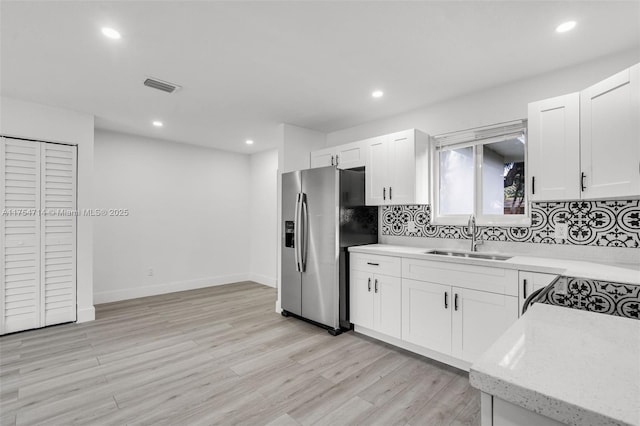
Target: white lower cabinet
(498,412)
(361,299)
(530,282)
(375,302)
(452,312)
(478,319)
(387,303)
(426,317)
(454,321)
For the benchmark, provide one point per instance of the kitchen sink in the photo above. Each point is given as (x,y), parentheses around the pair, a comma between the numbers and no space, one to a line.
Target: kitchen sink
(486,256)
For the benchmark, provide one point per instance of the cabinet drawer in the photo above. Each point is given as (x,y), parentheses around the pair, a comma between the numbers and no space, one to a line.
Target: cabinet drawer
(376,264)
(483,278)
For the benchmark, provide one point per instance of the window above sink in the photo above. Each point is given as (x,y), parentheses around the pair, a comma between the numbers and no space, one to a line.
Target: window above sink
(481,172)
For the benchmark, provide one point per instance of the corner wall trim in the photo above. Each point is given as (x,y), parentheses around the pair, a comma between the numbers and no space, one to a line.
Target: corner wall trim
(263,279)
(86,314)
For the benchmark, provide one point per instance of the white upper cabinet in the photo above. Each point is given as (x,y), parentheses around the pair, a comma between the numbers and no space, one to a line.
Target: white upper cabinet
(554,148)
(610,136)
(377,171)
(397,169)
(587,145)
(346,156)
(323,158)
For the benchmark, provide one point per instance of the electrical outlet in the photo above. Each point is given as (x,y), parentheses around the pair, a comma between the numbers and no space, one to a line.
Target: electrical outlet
(411,226)
(562,230)
(561,287)
(149,272)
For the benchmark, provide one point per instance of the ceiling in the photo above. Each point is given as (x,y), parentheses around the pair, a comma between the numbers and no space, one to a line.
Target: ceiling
(245,66)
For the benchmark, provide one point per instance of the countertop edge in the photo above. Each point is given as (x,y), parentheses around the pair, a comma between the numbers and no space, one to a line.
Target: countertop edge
(517,262)
(539,403)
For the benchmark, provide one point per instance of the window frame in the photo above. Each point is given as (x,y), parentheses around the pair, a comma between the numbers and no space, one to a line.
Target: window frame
(478,138)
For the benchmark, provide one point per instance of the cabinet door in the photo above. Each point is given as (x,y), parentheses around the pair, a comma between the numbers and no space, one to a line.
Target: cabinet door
(58,251)
(426,315)
(610,136)
(322,158)
(530,282)
(350,155)
(19,235)
(554,148)
(402,168)
(388,305)
(376,174)
(479,318)
(361,299)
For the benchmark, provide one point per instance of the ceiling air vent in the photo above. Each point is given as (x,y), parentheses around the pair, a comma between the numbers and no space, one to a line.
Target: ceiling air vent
(161,85)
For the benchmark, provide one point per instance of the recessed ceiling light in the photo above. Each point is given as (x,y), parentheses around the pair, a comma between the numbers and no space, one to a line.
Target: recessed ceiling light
(111,33)
(249,142)
(566,26)
(158,123)
(377,93)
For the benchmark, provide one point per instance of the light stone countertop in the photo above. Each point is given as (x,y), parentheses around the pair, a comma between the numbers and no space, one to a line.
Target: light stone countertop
(577,367)
(572,268)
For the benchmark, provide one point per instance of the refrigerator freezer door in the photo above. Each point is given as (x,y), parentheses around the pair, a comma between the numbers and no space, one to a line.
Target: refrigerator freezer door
(320,279)
(291,279)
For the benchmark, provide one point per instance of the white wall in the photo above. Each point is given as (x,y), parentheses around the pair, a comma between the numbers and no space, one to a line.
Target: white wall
(263,217)
(295,146)
(40,122)
(499,104)
(189,216)
(494,105)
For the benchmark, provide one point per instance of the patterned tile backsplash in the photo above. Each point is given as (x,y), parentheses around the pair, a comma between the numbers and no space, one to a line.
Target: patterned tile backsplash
(593,223)
(598,296)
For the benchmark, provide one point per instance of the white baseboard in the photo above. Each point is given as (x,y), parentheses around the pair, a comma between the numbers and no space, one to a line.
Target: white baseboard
(263,279)
(278,307)
(153,290)
(86,314)
(447,359)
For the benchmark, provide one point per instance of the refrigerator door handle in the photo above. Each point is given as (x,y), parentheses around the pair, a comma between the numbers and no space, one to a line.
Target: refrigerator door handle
(305,232)
(297,232)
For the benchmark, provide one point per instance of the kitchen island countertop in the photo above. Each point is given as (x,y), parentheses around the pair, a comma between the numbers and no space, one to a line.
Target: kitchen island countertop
(573,366)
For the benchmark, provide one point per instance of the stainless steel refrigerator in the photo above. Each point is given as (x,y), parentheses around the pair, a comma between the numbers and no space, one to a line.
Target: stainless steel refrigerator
(323,213)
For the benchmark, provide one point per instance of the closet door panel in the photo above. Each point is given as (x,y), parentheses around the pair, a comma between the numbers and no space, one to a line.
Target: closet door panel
(19,235)
(58,260)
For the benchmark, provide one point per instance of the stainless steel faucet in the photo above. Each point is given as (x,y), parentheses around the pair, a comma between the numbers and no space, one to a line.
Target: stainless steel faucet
(471,228)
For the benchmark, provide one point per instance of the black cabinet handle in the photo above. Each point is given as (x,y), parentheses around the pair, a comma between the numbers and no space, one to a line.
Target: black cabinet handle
(524,288)
(384,193)
(582,176)
(533,184)
(369,284)
(337,162)
(376,285)
(446,300)
(455,302)
(390,194)
(332,160)
(373,264)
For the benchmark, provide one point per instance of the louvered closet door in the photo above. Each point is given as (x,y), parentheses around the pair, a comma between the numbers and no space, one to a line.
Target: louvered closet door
(20,235)
(58,255)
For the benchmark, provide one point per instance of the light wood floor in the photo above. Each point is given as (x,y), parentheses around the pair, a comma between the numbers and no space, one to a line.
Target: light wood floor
(220,355)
